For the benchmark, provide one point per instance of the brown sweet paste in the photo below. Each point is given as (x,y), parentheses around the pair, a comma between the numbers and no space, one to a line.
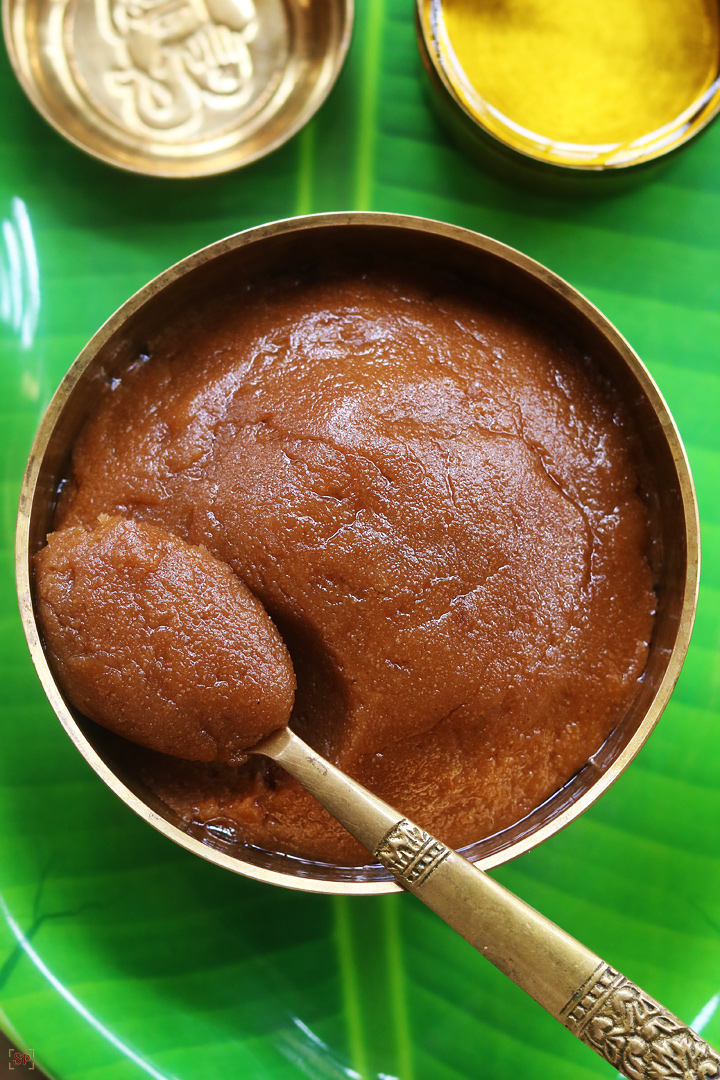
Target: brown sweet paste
(160,642)
(435,497)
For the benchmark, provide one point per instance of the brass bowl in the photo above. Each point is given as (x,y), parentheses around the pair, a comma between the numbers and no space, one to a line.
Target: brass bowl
(508,148)
(185,89)
(298,241)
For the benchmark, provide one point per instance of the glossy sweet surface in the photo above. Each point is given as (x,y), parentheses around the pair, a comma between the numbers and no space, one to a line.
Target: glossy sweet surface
(434,496)
(95,903)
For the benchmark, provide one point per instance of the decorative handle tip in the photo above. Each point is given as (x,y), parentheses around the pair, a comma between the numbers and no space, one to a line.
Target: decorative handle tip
(635,1034)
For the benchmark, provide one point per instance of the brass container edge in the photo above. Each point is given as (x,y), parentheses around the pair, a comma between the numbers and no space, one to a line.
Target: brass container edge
(419,230)
(75,117)
(510,160)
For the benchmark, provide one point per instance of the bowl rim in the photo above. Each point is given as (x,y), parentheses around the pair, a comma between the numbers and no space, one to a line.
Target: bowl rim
(321,221)
(700,114)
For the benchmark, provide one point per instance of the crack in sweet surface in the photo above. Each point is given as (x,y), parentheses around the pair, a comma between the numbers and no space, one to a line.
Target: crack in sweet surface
(434,496)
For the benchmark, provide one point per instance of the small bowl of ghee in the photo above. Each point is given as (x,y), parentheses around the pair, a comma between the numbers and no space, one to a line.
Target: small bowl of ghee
(574,86)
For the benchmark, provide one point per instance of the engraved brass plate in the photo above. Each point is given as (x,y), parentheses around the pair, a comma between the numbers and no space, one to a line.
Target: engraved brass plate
(177,87)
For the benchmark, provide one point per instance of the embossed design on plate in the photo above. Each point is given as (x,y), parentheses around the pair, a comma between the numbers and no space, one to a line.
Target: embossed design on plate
(410,853)
(636,1035)
(169,70)
(172,56)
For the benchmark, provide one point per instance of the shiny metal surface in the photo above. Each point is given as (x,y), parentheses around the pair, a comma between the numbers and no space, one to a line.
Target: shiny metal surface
(177,88)
(668,485)
(604,1009)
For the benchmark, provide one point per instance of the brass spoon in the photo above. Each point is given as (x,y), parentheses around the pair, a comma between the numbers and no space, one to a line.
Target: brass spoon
(128,579)
(605,1010)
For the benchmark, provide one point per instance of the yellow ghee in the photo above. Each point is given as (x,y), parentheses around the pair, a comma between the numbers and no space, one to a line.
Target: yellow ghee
(590,72)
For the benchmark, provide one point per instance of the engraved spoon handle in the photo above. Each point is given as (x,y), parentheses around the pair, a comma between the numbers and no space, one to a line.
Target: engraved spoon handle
(605,1010)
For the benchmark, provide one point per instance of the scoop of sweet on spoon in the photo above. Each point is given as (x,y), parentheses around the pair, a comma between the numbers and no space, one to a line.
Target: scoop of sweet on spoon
(159,641)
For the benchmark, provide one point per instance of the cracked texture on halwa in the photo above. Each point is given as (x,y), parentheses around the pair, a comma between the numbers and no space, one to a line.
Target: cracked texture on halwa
(435,498)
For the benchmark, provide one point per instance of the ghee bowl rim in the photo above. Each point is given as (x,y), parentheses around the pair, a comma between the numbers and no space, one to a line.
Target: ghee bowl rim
(678,594)
(473,132)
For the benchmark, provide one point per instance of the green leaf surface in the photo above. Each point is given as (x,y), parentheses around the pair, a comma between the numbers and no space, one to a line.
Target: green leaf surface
(123,956)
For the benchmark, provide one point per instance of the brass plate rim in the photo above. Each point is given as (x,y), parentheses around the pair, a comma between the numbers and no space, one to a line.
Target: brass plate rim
(484,245)
(474,123)
(176,167)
